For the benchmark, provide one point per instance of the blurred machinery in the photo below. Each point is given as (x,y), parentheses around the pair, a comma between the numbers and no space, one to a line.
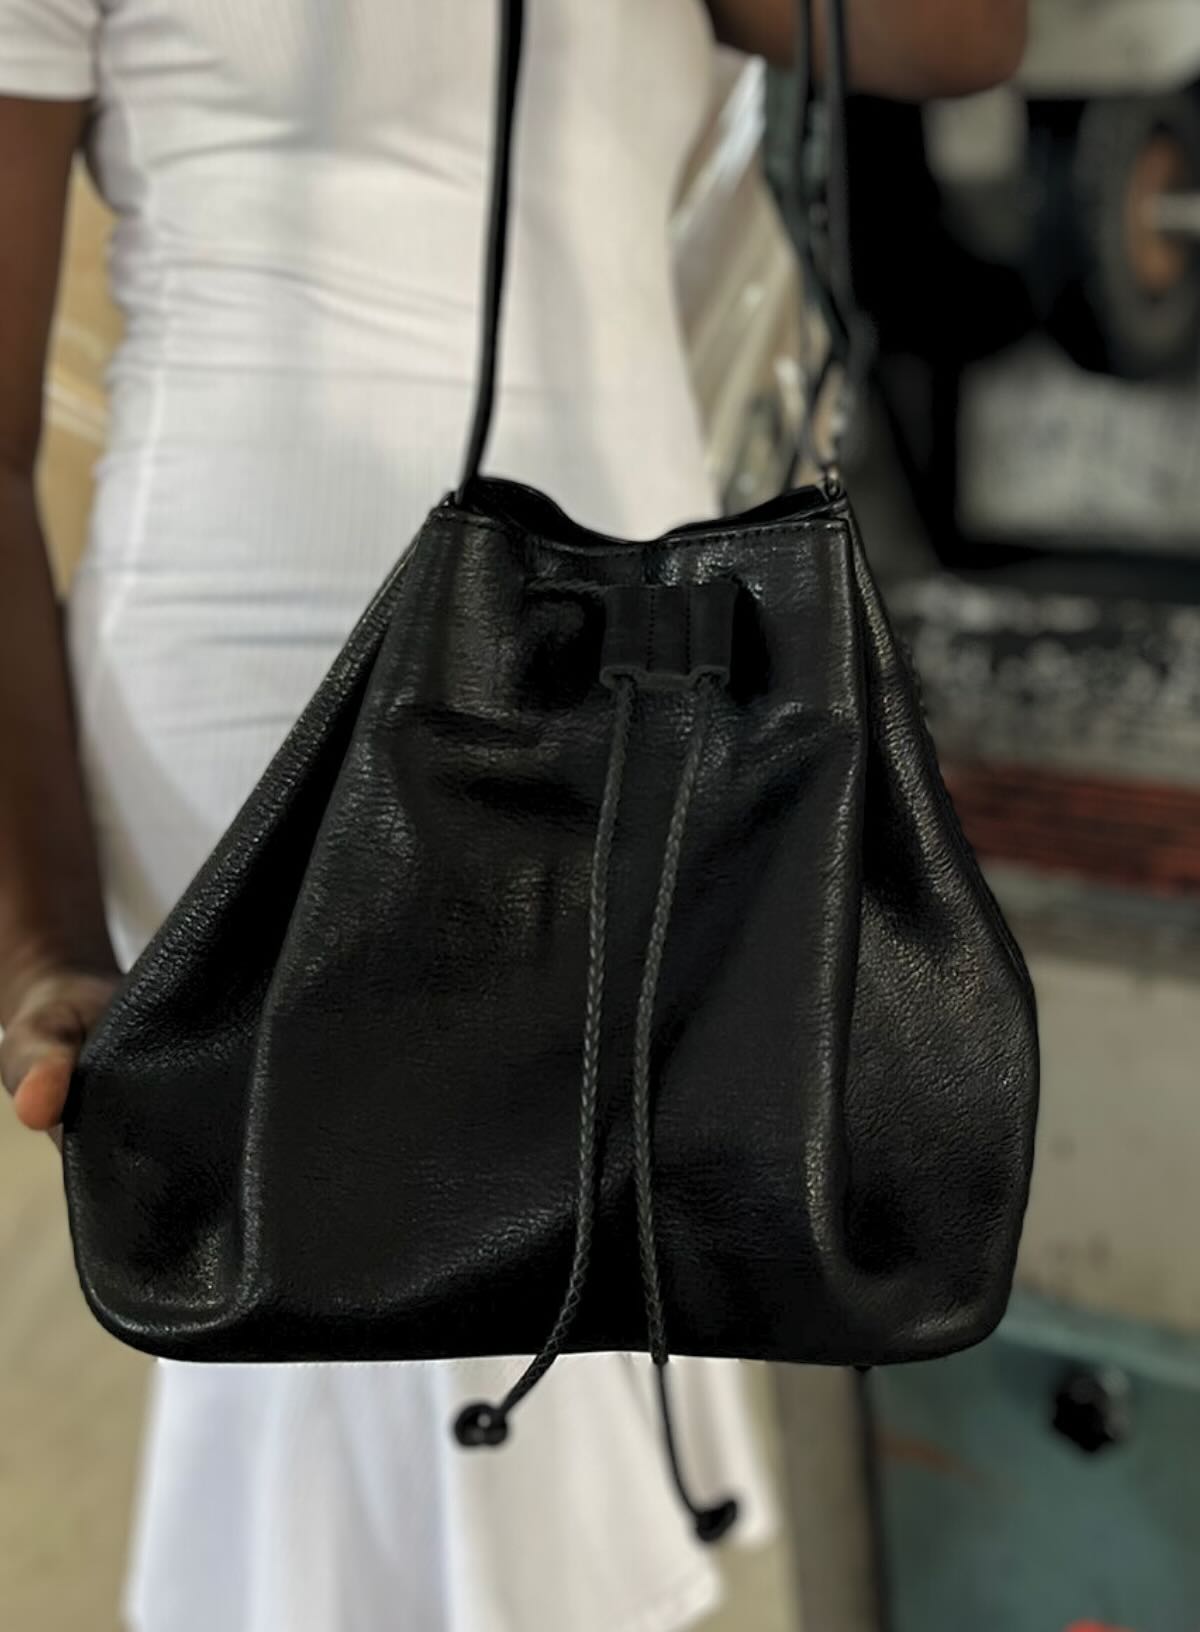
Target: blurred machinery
(1032,260)
(1085,176)
(1084,181)
(1041,374)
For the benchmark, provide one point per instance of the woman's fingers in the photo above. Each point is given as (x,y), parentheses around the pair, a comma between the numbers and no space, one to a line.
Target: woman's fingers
(42,1042)
(42,1091)
(36,1060)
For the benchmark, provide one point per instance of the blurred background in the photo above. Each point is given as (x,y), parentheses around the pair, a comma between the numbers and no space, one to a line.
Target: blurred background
(1028,469)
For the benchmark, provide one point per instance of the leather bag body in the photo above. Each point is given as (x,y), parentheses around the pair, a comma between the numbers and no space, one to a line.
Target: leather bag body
(333,1112)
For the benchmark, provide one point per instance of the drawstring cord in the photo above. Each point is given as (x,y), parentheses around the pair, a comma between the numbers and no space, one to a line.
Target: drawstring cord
(487,1425)
(710,1523)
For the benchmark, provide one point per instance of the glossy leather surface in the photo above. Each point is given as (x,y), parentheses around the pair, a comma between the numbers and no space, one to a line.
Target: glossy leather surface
(332,1114)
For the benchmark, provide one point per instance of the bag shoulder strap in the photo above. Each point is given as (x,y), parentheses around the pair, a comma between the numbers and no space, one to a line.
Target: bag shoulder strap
(508,64)
(823,211)
(819,199)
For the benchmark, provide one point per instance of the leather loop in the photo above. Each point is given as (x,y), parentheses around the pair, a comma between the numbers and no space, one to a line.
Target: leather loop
(666,637)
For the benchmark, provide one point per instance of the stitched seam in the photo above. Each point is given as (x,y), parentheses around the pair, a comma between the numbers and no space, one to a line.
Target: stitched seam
(777,532)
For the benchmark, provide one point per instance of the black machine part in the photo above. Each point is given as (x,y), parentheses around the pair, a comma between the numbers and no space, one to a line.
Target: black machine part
(1122,294)
(1092,1409)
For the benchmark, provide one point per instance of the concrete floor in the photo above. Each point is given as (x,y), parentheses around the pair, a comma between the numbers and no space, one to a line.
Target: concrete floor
(70,1413)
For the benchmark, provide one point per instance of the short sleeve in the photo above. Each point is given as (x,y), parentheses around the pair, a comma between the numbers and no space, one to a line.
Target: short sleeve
(48,48)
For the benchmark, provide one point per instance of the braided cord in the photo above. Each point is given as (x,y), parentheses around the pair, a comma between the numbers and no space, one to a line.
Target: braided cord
(585,1190)
(644,1026)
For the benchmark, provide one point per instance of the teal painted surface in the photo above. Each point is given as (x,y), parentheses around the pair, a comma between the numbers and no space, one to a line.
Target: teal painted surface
(1167,1357)
(997,1524)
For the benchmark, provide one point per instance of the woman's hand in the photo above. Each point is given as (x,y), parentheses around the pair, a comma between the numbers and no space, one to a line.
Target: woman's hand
(47,1028)
(908,49)
(57,972)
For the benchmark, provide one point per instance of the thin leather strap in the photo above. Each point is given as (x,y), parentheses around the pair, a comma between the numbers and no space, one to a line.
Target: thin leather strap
(508,64)
(821,216)
(857,328)
(837,187)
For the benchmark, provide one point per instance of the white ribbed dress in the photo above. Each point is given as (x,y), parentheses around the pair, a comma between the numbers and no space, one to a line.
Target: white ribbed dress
(299,187)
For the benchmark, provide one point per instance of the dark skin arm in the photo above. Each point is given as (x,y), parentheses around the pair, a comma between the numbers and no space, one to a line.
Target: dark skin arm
(56,965)
(909,49)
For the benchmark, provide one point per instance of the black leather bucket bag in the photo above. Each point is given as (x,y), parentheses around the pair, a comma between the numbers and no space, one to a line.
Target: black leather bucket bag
(598,964)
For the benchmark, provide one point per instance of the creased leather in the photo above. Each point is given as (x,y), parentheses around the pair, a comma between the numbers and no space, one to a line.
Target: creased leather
(332,1113)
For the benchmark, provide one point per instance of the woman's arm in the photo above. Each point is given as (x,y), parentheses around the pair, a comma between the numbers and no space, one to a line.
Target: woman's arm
(56,965)
(910,49)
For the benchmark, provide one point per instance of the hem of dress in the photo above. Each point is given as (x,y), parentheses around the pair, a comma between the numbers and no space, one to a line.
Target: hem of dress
(698,1594)
(694,1596)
